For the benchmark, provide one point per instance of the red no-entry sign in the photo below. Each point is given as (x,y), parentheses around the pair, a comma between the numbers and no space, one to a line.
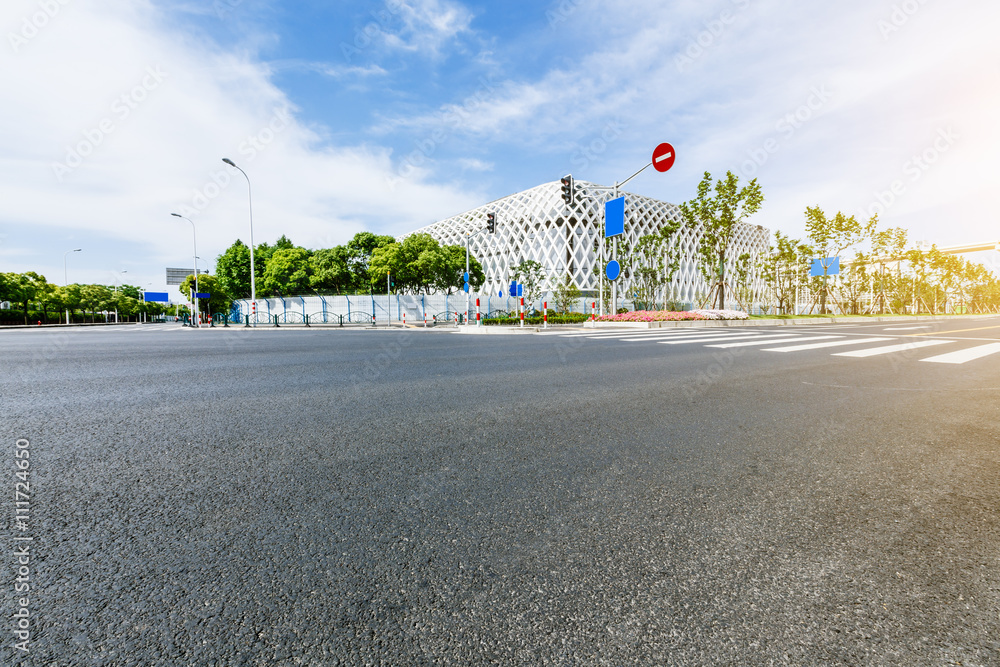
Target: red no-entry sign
(663,157)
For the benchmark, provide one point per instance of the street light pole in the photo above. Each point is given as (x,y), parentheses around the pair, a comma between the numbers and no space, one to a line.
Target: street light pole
(66,276)
(194,233)
(116,294)
(253,278)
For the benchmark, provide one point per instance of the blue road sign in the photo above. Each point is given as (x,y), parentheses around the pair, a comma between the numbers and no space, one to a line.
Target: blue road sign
(613,270)
(466,276)
(831,264)
(466,288)
(513,289)
(614,217)
(202,295)
(501,293)
(520,290)
(161,297)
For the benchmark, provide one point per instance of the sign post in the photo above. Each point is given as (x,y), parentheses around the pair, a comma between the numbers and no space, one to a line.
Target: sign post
(662,160)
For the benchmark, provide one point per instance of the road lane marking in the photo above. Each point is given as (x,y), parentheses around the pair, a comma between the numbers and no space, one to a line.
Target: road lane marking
(889,349)
(774,342)
(962,356)
(942,333)
(713,339)
(926,326)
(835,343)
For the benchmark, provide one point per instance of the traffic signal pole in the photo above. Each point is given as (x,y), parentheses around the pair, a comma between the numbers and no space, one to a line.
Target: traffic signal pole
(468,237)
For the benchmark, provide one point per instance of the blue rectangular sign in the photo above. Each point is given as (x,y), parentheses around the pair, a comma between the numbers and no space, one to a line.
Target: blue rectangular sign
(831,264)
(203,295)
(162,297)
(614,217)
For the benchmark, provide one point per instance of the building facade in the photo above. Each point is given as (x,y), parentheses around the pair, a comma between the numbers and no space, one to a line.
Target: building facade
(538,225)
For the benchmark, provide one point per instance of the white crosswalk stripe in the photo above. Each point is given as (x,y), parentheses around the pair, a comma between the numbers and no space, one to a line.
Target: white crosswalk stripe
(772,342)
(715,339)
(787,342)
(833,343)
(968,354)
(889,349)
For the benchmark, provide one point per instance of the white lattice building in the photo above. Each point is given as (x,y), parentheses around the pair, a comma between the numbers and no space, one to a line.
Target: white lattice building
(537,224)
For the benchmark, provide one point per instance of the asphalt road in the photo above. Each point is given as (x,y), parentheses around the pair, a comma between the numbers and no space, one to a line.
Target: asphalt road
(325,497)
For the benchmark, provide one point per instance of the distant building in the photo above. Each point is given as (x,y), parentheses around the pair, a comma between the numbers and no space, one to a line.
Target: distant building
(537,224)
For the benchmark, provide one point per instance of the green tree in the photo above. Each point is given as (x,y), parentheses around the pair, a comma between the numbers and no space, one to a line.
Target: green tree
(715,220)
(94,297)
(22,289)
(330,270)
(566,294)
(390,259)
(832,236)
(232,268)
(452,270)
(786,267)
(531,274)
(288,272)
(360,250)
(219,300)
(652,263)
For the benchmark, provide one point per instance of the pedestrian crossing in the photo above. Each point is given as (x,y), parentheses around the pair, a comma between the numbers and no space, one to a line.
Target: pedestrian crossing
(784,342)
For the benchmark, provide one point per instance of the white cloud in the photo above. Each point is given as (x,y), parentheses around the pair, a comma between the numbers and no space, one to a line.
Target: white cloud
(428,25)
(112,122)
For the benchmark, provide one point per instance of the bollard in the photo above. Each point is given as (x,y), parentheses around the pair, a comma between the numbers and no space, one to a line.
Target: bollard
(522,311)
(479,321)
(545,314)
(373,321)
(341,319)
(307,320)
(276,321)
(425,319)
(248,321)
(593,310)
(404,319)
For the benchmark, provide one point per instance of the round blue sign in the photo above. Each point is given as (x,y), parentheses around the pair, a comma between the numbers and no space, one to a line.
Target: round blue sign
(613,271)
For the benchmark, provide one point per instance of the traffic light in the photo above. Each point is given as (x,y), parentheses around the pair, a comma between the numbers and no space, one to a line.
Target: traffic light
(567,189)
(491,223)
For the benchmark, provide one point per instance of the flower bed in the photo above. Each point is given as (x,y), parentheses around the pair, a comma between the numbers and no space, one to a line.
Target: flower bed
(674,316)
(651,316)
(722,314)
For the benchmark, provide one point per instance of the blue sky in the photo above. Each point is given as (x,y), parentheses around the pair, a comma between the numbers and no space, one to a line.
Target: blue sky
(390,115)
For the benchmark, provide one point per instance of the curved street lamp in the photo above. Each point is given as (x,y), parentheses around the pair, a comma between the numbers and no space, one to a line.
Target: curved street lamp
(253,278)
(66,276)
(194,233)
